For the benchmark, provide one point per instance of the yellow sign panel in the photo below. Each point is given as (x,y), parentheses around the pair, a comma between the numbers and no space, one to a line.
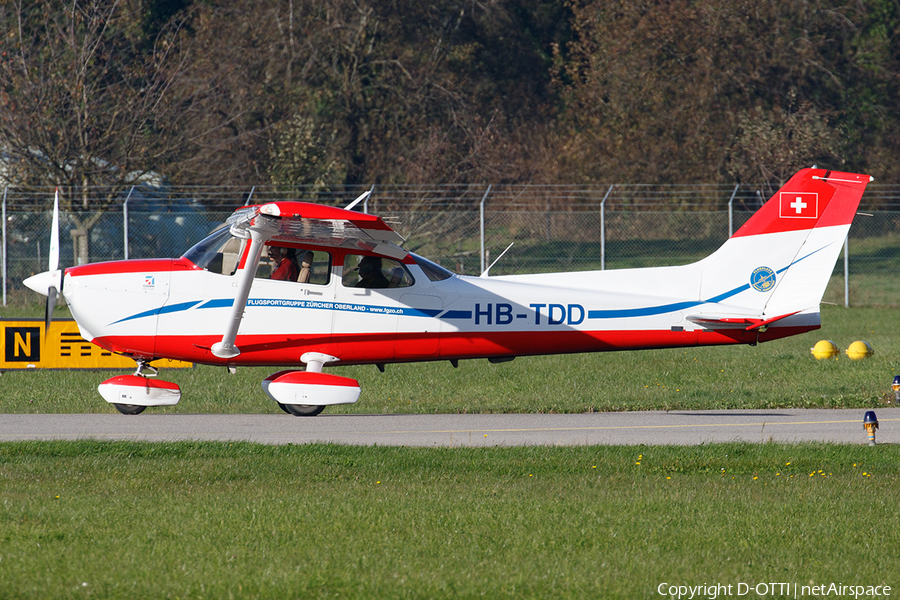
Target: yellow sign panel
(23,346)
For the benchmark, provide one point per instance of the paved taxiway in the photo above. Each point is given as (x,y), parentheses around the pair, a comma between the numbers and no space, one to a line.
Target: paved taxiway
(651,428)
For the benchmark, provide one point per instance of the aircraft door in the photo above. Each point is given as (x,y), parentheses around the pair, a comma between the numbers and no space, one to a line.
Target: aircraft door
(292,295)
(368,306)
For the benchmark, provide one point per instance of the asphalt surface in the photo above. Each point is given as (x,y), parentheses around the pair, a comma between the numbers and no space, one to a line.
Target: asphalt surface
(622,428)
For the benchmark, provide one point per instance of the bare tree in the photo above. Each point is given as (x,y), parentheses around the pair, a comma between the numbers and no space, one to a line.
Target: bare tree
(86,100)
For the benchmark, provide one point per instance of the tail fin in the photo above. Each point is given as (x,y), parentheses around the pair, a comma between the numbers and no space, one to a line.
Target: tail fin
(780,261)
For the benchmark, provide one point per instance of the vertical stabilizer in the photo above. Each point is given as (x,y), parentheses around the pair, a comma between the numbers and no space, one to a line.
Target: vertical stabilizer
(780,261)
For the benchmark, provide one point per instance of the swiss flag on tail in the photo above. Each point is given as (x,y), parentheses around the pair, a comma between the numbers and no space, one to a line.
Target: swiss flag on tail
(799,205)
(811,198)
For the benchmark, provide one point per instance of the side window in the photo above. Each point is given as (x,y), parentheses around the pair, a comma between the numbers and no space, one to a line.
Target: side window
(374,272)
(219,252)
(295,264)
(230,256)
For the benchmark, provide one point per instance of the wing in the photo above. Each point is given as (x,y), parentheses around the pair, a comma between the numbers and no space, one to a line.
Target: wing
(316,225)
(300,223)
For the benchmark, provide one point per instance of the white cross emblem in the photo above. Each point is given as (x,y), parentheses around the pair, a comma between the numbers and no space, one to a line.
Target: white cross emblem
(798,205)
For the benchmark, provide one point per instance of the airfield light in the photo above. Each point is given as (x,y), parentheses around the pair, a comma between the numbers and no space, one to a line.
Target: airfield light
(870,422)
(896,387)
(859,350)
(824,349)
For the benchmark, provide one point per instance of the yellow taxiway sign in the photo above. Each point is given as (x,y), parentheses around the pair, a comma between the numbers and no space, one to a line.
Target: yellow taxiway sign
(23,345)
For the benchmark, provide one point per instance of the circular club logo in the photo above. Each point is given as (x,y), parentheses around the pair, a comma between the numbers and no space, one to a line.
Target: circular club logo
(762,279)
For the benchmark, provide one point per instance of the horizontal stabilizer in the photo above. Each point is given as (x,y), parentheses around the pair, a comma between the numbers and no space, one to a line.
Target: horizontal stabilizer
(735,322)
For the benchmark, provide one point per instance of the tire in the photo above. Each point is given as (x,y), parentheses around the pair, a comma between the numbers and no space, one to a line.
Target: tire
(302,410)
(129,409)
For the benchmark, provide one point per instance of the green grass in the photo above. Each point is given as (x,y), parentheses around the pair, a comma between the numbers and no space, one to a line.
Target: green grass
(211,520)
(776,374)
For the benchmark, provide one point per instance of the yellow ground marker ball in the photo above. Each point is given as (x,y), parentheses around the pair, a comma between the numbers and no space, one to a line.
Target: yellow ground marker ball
(824,349)
(859,350)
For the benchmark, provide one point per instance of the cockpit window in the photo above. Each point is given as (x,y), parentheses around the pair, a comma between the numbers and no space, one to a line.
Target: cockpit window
(295,264)
(219,252)
(374,272)
(433,271)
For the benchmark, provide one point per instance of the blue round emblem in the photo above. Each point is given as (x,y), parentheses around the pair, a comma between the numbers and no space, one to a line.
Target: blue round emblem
(762,279)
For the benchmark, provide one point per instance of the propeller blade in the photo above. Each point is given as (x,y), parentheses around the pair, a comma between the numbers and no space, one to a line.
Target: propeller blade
(54,235)
(51,304)
(52,292)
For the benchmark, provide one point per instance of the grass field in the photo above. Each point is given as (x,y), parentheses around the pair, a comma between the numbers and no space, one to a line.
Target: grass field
(210,520)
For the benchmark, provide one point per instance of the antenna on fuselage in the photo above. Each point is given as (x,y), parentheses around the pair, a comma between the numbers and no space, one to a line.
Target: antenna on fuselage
(486,271)
(362,197)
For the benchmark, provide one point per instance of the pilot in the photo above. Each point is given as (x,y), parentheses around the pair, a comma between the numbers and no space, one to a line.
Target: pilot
(370,275)
(286,269)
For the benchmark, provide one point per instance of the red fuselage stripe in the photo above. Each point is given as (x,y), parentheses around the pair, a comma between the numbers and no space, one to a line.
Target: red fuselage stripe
(352,349)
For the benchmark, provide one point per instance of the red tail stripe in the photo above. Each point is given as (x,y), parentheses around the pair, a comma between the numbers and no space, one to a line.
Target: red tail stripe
(811,198)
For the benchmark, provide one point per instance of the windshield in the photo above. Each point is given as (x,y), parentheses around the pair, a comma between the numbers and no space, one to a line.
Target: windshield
(219,252)
(433,271)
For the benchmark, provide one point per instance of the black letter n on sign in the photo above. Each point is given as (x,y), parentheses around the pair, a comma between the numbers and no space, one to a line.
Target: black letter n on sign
(23,344)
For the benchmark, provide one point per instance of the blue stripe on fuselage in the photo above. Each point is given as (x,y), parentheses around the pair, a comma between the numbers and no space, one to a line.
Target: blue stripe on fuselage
(159,311)
(426,312)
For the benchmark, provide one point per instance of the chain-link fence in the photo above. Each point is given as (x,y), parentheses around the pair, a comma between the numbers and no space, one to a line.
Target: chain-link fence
(465,228)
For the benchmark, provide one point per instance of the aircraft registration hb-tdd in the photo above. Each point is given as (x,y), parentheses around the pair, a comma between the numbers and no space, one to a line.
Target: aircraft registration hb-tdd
(354,296)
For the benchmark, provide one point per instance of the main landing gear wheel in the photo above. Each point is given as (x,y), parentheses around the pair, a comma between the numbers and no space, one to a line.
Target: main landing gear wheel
(301,410)
(129,409)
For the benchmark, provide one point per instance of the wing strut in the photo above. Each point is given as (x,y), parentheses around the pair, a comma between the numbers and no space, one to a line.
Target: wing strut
(226,348)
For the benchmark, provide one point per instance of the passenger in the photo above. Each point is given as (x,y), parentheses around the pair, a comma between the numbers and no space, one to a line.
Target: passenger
(286,269)
(370,275)
(291,255)
(396,277)
(273,255)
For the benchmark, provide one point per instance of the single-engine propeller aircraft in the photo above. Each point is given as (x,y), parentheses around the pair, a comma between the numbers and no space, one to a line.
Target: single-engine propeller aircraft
(355,296)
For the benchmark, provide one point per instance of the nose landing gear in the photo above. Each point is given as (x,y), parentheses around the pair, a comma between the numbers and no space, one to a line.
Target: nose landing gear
(132,394)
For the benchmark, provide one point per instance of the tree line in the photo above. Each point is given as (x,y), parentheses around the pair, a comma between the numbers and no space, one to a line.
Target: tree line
(334,92)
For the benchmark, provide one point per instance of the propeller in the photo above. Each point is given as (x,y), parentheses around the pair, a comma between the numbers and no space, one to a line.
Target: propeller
(50,282)
(55,289)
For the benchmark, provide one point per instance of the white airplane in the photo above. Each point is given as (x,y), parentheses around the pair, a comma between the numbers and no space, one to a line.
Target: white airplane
(355,297)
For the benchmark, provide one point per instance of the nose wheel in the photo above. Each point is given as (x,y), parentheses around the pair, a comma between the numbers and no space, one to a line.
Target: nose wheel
(301,410)
(132,394)
(129,409)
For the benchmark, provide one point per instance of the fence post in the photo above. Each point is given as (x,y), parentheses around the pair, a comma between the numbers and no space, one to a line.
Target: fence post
(125,221)
(603,228)
(731,210)
(847,271)
(5,190)
(483,199)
